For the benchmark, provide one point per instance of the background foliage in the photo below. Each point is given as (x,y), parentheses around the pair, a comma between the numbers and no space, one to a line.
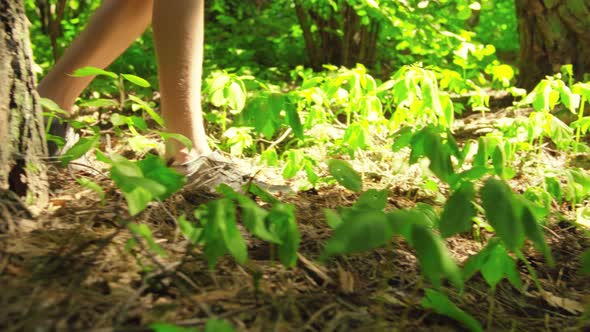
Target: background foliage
(313,86)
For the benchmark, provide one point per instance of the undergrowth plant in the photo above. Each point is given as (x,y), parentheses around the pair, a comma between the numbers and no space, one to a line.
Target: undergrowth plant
(409,111)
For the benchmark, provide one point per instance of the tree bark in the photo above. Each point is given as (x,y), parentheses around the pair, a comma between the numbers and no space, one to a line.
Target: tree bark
(337,38)
(22,139)
(552,33)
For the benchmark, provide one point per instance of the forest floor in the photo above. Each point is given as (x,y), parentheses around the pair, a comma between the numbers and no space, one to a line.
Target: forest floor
(69,270)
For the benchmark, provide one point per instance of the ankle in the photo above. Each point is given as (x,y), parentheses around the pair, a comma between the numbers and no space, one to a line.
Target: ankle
(183,156)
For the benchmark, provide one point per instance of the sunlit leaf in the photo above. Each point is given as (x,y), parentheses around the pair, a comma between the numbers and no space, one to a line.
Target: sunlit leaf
(146,233)
(92,71)
(84,145)
(136,80)
(100,102)
(147,108)
(87,183)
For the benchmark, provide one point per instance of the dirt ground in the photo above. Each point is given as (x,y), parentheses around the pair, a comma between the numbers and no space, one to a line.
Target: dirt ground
(68,270)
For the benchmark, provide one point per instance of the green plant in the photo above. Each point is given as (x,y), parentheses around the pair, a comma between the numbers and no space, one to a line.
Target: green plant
(441,304)
(213,325)
(218,233)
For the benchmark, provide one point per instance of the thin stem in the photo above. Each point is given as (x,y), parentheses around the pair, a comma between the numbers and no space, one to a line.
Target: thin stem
(491,308)
(579,128)
(531,270)
(223,120)
(121,87)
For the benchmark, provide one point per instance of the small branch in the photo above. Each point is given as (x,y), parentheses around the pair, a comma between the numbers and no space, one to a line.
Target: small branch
(281,139)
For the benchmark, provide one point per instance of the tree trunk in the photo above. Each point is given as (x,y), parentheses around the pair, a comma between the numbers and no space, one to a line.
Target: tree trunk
(336,38)
(22,139)
(552,33)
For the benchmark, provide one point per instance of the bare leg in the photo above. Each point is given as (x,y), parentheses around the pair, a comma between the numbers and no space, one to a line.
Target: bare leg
(178,34)
(112,28)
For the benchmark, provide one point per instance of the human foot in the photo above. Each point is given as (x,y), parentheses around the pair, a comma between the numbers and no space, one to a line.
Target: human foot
(61,130)
(208,171)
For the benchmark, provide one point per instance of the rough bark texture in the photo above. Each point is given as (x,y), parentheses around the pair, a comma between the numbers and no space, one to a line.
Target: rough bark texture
(552,33)
(337,38)
(22,141)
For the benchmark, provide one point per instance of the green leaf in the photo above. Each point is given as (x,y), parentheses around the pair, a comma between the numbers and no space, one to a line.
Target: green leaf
(585,263)
(79,149)
(235,97)
(100,102)
(164,327)
(458,211)
(558,131)
(224,215)
(495,264)
(429,212)
(137,199)
(429,143)
(568,99)
(154,168)
(58,140)
(553,187)
(146,233)
(179,137)
(119,120)
(137,122)
(440,158)
(401,222)
(214,245)
(264,195)
(282,223)
(498,160)
(356,137)
(253,216)
(51,106)
(87,183)
(359,231)
(435,259)
(582,89)
(136,80)
(145,180)
(332,218)
(534,233)
(345,174)
(215,325)
(190,232)
(402,138)
(93,71)
(541,96)
(503,213)
(293,120)
(442,305)
(372,199)
(294,163)
(146,107)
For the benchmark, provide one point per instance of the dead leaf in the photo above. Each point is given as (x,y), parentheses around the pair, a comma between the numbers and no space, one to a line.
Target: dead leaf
(346,280)
(569,305)
(216,295)
(315,269)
